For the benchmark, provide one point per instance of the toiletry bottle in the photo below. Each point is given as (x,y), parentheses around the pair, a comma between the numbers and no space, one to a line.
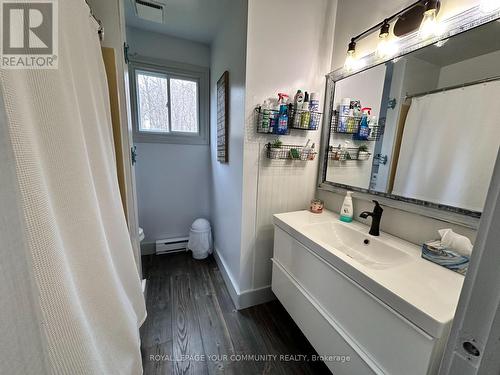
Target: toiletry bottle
(344,152)
(354,117)
(344,108)
(314,109)
(364,130)
(311,154)
(273,117)
(346,213)
(265,117)
(305,117)
(298,101)
(351,122)
(372,124)
(283,114)
(298,98)
(305,151)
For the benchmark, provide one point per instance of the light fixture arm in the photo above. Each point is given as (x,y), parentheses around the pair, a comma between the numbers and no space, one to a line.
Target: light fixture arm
(425,3)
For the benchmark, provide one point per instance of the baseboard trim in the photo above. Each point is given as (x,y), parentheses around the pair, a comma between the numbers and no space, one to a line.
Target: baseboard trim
(148,248)
(253,297)
(232,287)
(246,298)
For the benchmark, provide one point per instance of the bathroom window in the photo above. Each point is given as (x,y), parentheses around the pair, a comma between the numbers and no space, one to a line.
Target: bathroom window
(170,103)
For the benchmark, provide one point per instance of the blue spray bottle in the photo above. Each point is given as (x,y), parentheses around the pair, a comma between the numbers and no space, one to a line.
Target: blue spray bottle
(283,114)
(364,130)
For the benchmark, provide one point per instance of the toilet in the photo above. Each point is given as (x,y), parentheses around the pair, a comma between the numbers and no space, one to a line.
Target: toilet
(141,234)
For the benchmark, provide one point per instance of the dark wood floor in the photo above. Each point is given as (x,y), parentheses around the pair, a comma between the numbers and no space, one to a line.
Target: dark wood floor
(193,327)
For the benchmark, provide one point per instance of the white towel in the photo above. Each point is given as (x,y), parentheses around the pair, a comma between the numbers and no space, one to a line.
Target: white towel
(455,241)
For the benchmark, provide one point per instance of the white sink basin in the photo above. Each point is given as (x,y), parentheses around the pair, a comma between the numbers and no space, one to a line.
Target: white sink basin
(370,251)
(388,267)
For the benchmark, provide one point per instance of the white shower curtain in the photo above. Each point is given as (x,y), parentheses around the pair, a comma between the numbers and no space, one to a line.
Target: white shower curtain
(449,147)
(71,298)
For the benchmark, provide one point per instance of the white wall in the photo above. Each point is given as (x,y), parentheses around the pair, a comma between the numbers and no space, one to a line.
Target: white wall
(470,70)
(353,17)
(166,47)
(173,180)
(228,52)
(289,47)
(411,227)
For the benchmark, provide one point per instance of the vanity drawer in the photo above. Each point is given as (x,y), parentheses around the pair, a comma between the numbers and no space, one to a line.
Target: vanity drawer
(392,342)
(316,326)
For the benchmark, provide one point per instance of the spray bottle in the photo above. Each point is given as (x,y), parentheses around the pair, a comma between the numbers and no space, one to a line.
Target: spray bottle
(283,114)
(314,109)
(364,130)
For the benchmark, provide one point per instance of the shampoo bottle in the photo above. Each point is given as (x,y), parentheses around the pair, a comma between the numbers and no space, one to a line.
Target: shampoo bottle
(265,117)
(305,116)
(346,213)
(298,102)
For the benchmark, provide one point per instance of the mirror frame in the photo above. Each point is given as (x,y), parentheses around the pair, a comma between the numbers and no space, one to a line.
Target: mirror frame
(455,25)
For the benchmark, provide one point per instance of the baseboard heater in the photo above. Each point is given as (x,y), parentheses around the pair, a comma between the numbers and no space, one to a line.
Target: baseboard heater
(171,245)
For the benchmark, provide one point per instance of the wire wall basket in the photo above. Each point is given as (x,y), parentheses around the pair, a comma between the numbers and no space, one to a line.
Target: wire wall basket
(348,154)
(267,120)
(350,125)
(304,120)
(290,152)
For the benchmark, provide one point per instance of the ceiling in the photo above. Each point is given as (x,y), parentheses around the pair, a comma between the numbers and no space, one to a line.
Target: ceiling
(477,42)
(196,20)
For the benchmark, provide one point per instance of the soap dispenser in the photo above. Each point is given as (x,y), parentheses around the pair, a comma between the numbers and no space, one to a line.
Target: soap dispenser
(346,213)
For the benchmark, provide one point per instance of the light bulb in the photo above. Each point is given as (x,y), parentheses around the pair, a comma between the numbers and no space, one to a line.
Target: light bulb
(430,26)
(386,48)
(382,47)
(488,6)
(350,61)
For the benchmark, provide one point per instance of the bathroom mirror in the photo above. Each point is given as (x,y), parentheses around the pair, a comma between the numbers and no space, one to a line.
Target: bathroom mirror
(422,128)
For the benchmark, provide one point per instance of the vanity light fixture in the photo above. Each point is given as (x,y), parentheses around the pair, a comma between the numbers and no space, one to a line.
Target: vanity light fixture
(432,6)
(350,61)
(384,30)
(383,36)
(425,10)
(488,6)
(430,26)
(385,47)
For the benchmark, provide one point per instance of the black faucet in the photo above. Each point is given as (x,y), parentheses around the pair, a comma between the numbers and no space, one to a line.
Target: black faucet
(376,216)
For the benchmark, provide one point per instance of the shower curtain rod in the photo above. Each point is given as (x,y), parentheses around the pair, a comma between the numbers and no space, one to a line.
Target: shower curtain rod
(100,30)
(491,79)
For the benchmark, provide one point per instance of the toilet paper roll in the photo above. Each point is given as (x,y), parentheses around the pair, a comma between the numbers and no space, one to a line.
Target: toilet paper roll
(455,241)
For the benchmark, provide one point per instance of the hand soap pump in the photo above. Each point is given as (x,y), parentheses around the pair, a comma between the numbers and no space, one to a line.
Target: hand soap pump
(346,213)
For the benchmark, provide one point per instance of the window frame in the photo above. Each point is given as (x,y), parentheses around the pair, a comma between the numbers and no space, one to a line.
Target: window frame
(174,70)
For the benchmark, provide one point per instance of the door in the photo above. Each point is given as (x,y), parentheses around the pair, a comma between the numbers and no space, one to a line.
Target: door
(474,343)
(122,134)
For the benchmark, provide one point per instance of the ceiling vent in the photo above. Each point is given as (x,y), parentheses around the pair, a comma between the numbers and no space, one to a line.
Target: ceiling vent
(148,10)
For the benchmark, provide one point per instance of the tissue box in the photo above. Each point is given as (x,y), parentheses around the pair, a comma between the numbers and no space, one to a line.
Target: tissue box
(435,252)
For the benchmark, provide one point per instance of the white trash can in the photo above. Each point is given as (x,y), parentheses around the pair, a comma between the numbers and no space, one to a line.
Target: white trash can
(200,239)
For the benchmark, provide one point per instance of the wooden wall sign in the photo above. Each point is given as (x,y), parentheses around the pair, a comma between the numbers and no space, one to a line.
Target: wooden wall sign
(223,117)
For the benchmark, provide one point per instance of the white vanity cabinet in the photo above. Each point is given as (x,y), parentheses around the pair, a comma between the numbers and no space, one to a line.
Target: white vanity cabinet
(342,318)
